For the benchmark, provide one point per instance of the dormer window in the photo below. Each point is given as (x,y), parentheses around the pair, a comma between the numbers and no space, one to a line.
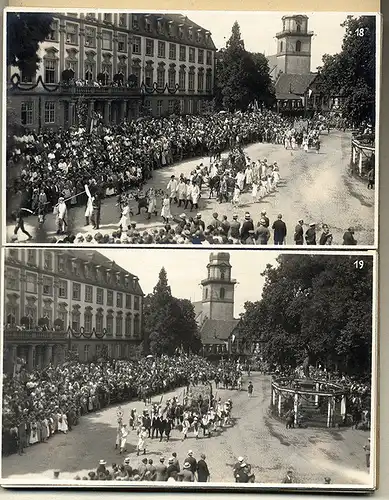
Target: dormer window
(190,33)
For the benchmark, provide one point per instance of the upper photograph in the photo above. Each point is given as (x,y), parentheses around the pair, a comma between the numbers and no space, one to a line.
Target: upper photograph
(207,128)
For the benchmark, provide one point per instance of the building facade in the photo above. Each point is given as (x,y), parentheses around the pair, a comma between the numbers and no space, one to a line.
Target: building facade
(61,300)
(160,51)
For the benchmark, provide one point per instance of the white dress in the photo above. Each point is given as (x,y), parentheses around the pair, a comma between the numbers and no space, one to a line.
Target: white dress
(249,175)
(123,438)
(62,423)
(89,208)
(165,212)
(125,218)
(142,440)
(236,196)
(195,193)
(33,434)
(254,191)
(152,206)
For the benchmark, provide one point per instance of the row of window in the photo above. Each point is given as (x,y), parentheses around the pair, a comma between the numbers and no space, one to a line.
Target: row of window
(162,27)
(72,266)
(113,326)
(107,40)
(13,280)
(297,47)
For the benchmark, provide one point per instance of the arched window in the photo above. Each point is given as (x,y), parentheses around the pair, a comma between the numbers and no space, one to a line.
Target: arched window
(298,28)
(298,46)
(222,275)
(281,46)
(222,293)
(206,293)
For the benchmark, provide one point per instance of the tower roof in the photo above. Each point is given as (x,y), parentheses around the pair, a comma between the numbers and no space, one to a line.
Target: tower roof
(220,256)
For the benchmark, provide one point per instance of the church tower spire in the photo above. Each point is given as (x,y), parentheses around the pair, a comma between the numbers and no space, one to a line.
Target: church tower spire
(218,288)
(294,46)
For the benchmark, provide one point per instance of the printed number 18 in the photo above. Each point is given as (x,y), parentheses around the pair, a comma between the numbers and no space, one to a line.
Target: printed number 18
(360,31)
(359,264)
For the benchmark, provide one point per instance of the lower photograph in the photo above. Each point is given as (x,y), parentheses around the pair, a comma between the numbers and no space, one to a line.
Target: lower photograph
(163,369)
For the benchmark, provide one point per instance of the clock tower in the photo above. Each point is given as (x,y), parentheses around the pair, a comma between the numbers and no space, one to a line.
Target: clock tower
(218,289)
(294,46)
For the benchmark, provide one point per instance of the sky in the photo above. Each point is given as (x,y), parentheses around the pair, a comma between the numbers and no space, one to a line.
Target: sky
(185,269)
(258,30)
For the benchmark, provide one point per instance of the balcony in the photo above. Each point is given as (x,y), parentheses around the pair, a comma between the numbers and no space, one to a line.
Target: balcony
(100,91)
(294,33)
(16,335)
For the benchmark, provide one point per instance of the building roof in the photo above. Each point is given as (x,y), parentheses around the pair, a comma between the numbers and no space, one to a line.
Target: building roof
(99,259)
(181,19)
(215,331)
(288,84)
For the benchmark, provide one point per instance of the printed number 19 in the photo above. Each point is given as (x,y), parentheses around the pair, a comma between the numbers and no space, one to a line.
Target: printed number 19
(360,31)
(359,264)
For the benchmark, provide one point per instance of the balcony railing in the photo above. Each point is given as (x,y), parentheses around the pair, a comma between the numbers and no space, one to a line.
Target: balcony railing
(13,334)
(294,32)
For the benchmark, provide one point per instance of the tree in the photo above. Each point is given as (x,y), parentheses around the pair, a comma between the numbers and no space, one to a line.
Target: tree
(25,31)
(315,306)
(240,77)
(169,321)
(351,74)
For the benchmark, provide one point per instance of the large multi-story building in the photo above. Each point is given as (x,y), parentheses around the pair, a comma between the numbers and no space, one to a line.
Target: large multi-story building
(157,52)
(59,300)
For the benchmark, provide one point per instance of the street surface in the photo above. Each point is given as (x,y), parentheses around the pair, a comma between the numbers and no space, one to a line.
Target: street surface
(313,454)
(315,187)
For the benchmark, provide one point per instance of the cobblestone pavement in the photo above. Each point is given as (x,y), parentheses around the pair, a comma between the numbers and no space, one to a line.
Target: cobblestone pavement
(263,441)
(315,187)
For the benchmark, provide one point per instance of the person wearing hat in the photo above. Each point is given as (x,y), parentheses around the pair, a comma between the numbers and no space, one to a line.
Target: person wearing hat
(265,218)
(142,469)
(203,474)
(327,480)
(288,479)
(367,449)
(299,233)
(142,440)
(262,233)
(123,438)
(234,231)
(247,226)
(161,470)
(348,237)
(326,237)
(96,212)
(310,234)
(61,211)
(56,474)
(172,469)
(279,228)
(200,222)
(101,467)
(191,461)
(186,475)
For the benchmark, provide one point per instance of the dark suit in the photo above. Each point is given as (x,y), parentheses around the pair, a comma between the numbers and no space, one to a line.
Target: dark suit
(202,471)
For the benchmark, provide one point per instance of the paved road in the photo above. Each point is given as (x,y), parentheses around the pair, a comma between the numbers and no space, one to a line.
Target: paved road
(267,445)
(315,187)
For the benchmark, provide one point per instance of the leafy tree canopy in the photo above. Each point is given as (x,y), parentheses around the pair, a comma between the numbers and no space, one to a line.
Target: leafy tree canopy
(25,31)
(316,306)
(241,77)
(351,74)
(170,322)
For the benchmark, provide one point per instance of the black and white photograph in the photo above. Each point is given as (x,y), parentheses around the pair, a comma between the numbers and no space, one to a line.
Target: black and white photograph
(233,368)
(197,127)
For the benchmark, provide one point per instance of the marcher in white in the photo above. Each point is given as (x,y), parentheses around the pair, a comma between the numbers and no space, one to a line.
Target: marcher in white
(165,212)
(172,188)
(123,438)
(142,441)
(61,211)
(89,206)
(125,219)
(185,428)
(236,196)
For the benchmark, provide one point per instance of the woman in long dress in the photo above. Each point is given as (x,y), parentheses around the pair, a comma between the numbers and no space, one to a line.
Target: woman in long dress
(142,441)
(63,423)
(33,433)
(152,206)
(45,431)
(254,192)
(125,219)
(165,212)
(236,196)
(123,439)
